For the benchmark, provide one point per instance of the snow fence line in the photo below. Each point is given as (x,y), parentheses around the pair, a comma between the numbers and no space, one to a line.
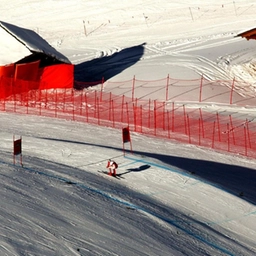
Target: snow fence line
(187,113)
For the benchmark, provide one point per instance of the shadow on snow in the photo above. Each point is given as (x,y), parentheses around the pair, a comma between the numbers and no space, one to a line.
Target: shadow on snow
(237,180)
(92,72)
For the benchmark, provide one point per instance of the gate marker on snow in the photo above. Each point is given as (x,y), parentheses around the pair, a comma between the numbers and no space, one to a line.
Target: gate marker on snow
(126,138)
(17,149)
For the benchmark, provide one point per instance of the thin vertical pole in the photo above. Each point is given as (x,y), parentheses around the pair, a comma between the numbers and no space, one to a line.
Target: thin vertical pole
(164,116)
(134,117)
(231,92)
(245,140)
(127,111)
(84,28)
(155,117)
(199,131)
(167,88)
(213,133)
(202,121)
(172,116)
(101,89)
(201,89)
(98,110)
(149,113)
(141,124)
(248,134)
(168,123)
(191,13)
(95,103)
(110,99)
(122,113)
(228,137)
(185,121)
(133,87)
(86,108)
(218,125)
(231,124)
(113,113)
(189,138)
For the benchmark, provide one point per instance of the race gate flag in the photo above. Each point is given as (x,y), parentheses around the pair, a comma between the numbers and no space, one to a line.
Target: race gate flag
(17,149)
(126,138)
(126,135)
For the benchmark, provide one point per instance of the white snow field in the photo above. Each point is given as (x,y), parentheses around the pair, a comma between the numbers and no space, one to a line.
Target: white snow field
(169,198)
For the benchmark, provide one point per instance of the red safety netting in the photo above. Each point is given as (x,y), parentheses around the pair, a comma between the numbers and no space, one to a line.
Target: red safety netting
(172,119)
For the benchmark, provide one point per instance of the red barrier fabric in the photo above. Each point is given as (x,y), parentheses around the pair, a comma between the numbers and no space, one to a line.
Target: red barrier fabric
(27,71)
(7,70)
(57,76)
(6,87)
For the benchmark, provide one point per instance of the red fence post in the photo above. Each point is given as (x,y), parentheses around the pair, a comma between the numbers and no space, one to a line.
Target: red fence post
(231,92)
(81,103)
(164,116)
(167,88)
(189,138)
(248,134)
(86,107)
(155,117)
(218,125)
(149,113)
(172,116)
(200,90)
(245,141)
(95,103)
(134,117)
(232,129)
(228,137)
(113,112)
(168,123)
(133,87)
(122,110)
(213,133)
(141,124)
(98,108)
(199,131)
(110,100)
(185,121)
(202,121)
(127,111)
(101,89)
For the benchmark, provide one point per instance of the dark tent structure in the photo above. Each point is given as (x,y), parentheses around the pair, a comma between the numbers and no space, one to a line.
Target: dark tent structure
(26,56)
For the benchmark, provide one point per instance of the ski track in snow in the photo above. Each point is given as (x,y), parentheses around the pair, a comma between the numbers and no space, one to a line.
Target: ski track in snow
(57,203)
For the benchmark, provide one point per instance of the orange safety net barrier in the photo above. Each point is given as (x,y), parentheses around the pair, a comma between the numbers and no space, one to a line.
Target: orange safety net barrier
(20,78)
(187,123)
